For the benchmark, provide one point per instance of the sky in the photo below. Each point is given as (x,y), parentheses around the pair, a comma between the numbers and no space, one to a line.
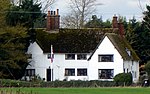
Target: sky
(109,8)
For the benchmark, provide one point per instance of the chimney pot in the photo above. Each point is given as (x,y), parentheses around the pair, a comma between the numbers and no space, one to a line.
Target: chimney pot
(51,12)
(54,12)
(114,22)
(57,12)
(48,13)
(53,20)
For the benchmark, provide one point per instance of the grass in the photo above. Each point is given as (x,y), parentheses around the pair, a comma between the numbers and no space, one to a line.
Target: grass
(82,90)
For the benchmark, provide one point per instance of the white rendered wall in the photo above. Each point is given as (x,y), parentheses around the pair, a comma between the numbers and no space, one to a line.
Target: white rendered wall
(41,63)
(106,47)
(133,67)
(60,64)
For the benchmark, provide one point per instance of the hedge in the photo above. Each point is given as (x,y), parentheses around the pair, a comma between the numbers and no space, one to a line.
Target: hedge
(123,79)
(18,83)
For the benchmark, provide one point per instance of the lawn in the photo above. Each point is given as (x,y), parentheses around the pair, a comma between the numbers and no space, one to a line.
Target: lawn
(82,90)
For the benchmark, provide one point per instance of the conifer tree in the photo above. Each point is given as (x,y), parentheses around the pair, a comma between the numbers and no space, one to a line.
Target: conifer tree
(13,46)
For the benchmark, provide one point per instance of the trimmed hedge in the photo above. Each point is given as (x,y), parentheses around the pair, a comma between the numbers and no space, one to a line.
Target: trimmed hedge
(94,83)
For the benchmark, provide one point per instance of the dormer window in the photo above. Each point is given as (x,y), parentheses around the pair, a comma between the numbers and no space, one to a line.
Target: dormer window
(128,51)
(70,56)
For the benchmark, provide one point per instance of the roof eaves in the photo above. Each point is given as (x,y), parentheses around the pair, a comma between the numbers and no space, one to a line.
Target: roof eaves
(96,47)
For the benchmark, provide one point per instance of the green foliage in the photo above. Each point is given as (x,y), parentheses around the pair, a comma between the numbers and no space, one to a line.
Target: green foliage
(138,35)
(147,68)
(123,79)
(26,14)
(13,45)
(4,5)
(40,83)
(97,23)
(142,36)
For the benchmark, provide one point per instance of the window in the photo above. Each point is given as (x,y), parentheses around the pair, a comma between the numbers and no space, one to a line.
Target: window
(105,73)
(81,72)
(70,56)
(49,56)
(105,58)
(30,72)
(69,72)
(124,70)
(81,56)
(30,56)
(127,70)
(135,74)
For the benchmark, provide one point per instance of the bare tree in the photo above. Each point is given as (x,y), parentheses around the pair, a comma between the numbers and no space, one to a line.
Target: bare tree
(79,11)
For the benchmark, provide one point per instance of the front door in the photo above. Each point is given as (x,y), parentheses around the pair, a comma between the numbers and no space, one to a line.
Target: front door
(49,75)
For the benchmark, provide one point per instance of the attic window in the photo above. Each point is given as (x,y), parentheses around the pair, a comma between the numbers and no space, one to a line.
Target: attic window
(128,51)
(70,56)
(81,56)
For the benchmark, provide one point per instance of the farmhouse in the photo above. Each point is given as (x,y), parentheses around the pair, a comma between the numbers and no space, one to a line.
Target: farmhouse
(80,54)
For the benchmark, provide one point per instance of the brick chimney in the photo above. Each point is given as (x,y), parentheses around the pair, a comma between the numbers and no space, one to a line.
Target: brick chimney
(53,20)
(121,29)
(115,22)
(117,26)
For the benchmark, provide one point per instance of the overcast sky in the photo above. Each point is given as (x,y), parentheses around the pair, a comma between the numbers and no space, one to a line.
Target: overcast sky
(126,8)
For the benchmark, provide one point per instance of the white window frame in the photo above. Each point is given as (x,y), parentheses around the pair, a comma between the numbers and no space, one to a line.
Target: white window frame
(69,56)
(105,58)
(105,73)
(81,56)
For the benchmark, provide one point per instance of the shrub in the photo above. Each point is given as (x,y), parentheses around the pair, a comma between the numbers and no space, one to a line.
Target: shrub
(147,68)
(123,79)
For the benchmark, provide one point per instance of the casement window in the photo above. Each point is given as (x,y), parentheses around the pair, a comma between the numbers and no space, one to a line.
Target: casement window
(30,56)
(135,74)
(105,73)
(70,56)
(82,72)
(69,72)
(49,56)
(81,56)
(30,72)
(105,58)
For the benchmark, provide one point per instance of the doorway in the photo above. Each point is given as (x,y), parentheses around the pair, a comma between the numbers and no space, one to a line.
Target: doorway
(49,74)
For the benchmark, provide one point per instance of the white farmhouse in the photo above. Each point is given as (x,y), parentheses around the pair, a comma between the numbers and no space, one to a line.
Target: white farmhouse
(94,54)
